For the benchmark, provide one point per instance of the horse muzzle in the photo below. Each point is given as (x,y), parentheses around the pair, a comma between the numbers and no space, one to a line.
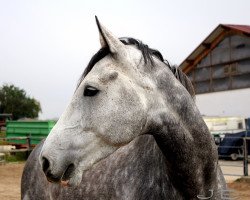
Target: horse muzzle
(54,175)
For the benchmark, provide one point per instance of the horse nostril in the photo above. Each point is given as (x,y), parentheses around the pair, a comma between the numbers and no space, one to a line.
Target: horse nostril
(68,172)
(47,171)
(45,164)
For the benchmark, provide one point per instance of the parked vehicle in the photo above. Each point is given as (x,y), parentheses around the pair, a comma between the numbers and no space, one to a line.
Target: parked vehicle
(228,133)
(231,146)
(222,125)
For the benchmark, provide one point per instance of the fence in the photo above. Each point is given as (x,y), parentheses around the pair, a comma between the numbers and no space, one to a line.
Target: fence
(234,146)
(26,147)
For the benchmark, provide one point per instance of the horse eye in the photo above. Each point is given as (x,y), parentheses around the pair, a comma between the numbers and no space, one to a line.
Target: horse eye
(90,91)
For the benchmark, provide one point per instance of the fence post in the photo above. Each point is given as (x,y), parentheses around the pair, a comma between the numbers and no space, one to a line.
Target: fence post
(28,144)
(245,159)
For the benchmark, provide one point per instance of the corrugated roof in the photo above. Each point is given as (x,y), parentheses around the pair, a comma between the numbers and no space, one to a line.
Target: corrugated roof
(210,42)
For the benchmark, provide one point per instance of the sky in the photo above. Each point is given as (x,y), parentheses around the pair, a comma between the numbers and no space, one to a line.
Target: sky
(45,45)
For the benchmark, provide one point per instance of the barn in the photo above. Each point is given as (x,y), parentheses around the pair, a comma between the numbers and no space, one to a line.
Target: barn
(219,69)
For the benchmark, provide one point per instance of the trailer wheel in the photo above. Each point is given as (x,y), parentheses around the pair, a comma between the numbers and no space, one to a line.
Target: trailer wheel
(234,156)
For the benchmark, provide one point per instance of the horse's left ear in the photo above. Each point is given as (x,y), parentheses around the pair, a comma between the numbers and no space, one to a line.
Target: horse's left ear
(107,39)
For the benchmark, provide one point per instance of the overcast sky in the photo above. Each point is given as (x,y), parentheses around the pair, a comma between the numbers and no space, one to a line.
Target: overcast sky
(45,45)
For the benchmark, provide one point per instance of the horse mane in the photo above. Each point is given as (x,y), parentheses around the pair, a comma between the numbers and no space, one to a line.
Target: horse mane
(147,54)
(184,80)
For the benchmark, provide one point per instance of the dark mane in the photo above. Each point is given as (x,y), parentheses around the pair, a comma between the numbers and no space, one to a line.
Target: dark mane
(147,54)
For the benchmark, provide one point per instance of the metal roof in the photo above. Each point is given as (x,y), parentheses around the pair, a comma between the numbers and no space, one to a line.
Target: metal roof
(243,28)
(210,42)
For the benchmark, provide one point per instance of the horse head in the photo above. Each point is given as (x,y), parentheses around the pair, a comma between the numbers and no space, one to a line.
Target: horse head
(126,91)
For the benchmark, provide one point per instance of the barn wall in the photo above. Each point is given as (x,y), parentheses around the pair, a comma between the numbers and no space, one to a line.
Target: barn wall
(226,67)
(226,103)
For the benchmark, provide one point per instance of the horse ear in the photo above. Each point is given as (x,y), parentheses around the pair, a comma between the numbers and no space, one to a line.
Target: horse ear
(107,39)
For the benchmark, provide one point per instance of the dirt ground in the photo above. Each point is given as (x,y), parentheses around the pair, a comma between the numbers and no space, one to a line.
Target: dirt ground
(10,179)
(240,189)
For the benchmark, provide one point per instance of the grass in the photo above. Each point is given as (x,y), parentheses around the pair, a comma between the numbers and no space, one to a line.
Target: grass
(16,157)
(3,135)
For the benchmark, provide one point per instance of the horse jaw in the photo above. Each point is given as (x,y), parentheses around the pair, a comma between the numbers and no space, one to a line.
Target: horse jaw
(91,156)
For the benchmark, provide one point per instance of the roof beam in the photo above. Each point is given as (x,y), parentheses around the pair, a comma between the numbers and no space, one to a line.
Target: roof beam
(190,61)
(206,45)
(213,44)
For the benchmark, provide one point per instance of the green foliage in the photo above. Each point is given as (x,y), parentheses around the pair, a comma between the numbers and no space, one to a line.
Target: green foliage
(16,157)
(2,134)
(14,100)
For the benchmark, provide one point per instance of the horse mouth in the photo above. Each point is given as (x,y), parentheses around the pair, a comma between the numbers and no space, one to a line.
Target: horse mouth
(67,175)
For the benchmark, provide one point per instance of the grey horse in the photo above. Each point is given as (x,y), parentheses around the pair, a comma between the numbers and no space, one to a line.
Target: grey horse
(131,131)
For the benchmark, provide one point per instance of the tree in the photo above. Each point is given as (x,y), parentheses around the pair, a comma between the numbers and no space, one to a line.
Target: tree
(14,100)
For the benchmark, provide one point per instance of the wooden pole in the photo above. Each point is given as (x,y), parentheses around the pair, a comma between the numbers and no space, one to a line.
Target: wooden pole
(245,159)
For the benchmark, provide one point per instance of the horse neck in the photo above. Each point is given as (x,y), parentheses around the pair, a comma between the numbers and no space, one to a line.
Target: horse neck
(181,134)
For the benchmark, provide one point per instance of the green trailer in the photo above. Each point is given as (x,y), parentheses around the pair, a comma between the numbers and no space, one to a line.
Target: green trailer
(36,130)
